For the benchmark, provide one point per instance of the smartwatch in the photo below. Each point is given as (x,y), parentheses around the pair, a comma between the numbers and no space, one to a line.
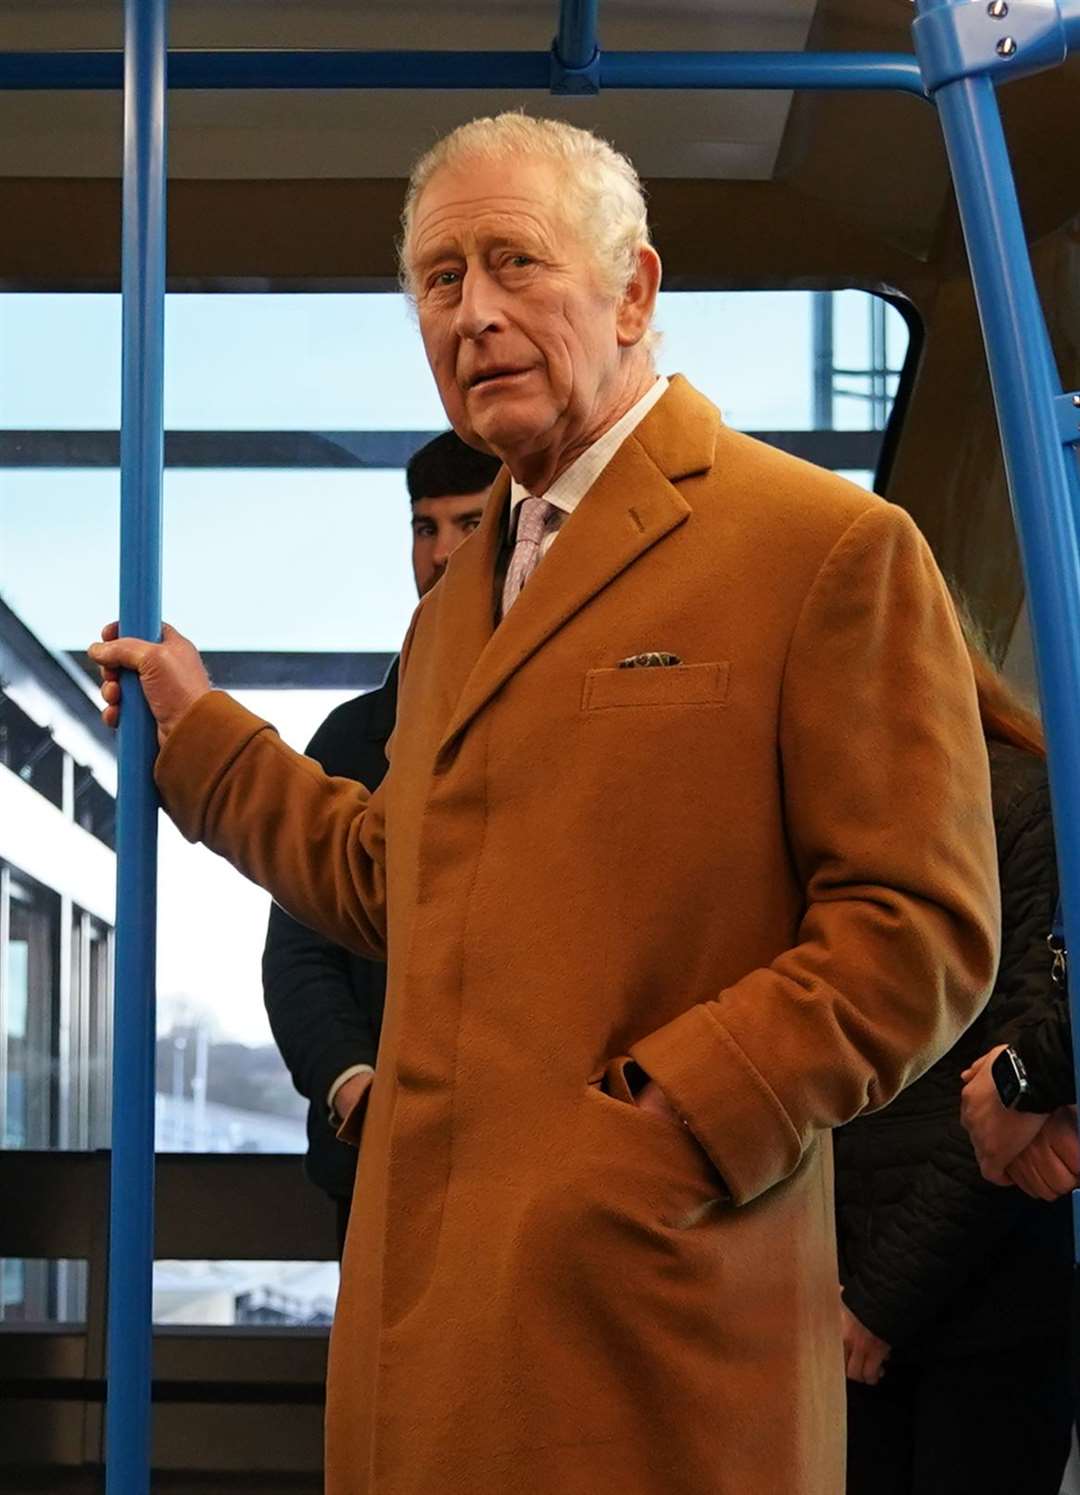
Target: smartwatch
(1010,1078)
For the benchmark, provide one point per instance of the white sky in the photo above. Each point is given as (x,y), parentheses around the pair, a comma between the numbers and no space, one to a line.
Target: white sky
(285,559)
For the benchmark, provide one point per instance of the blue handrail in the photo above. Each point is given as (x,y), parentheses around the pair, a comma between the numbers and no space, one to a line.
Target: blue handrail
(131,1220)
(854,71)
(576,41)
(294,70)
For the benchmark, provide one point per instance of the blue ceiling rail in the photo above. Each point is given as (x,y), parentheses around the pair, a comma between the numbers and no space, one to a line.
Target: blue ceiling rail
(964,48)
(131,1209)
(519,71)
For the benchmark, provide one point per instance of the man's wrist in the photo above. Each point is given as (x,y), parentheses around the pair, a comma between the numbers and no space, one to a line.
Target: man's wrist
(1010,1078)
(332,1094)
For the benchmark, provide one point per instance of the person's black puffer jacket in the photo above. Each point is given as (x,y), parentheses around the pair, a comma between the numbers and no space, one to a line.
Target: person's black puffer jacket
(933,1259)
(1045,1046)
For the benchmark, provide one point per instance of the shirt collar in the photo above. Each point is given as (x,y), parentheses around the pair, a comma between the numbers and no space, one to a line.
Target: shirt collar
(571,486)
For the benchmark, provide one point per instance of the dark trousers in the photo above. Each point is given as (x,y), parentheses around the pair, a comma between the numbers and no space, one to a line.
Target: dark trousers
(998,1423)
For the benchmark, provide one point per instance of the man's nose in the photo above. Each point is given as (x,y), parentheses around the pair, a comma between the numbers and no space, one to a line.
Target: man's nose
(478,310)
(445,546)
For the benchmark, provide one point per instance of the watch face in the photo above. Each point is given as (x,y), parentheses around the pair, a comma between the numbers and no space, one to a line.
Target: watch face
(1007,1079)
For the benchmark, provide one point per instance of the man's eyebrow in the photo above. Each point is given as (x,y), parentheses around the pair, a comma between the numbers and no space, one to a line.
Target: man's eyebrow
(443,249)
(472,514)
(447,249)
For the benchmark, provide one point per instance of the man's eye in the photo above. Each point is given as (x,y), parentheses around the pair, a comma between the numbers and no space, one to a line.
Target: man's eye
(470,525)
(445,278)
(520,261)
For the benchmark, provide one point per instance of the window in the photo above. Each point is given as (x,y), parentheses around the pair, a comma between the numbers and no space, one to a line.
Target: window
(286,534)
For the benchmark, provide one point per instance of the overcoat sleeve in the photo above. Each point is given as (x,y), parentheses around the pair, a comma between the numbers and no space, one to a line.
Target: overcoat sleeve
(889,826)
(950,1221)
(317,844)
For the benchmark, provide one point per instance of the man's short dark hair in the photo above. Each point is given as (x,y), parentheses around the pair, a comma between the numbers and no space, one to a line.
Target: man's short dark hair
(446,467)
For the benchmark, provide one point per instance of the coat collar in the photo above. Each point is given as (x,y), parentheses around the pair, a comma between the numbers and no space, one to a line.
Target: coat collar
(632,505)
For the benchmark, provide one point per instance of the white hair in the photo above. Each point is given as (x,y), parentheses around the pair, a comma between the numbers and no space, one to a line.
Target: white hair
(599,187)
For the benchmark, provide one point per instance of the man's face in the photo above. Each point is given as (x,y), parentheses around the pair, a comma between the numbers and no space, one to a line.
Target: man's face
(523,342)
(438,527)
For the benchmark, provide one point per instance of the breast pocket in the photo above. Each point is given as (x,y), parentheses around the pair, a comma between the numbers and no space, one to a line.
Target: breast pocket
(664,685)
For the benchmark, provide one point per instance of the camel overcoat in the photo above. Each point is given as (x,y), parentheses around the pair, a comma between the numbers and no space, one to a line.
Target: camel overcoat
(766,873)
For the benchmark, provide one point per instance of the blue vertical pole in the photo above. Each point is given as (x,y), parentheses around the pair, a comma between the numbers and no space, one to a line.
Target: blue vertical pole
(575,43)
(1044,480)
(131,1225)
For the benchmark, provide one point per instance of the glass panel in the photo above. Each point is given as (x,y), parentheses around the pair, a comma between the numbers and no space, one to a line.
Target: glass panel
(222,1086)
(870,345)
(35,1292)
(231,1293)
(60,552)
(59,361)
(355,362)
(339,578)
(57,1022)
(33,1092)
(17,997)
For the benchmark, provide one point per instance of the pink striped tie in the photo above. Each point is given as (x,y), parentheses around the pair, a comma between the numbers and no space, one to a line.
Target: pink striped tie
(534,515)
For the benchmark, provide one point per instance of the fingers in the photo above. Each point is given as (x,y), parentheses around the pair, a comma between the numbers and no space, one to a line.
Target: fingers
(855,1361)
(1061,1135)
(874,1365)
(110,631)
(1054,1178)
(981,1063)
(1040,1173)
(121,653)
(1028,1178)
(866,1362)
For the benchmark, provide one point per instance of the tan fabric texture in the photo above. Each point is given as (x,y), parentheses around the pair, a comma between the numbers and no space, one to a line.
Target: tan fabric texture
(767,873)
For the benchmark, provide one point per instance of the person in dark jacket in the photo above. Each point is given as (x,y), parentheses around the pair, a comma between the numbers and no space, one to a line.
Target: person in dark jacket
(326,1005)
(1019,1110)
(954,1292)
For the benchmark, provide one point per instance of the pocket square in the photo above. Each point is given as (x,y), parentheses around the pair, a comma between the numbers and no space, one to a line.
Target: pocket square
(653,659)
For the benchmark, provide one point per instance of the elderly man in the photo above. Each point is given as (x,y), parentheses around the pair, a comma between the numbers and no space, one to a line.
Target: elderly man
(684,857)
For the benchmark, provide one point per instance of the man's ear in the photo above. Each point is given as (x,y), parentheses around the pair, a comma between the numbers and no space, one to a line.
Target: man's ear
(638,303)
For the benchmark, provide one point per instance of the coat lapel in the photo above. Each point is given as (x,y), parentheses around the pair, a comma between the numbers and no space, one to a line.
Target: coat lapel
(465,599)
(631,507)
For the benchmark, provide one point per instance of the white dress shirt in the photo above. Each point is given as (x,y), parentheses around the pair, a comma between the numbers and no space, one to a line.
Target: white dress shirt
(565,493)
(571,486)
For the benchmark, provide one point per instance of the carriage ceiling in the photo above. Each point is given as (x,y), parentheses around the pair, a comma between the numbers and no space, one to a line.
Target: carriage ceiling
(342,134)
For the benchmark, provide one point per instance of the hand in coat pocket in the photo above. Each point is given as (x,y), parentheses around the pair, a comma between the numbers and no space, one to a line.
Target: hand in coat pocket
(864,1353)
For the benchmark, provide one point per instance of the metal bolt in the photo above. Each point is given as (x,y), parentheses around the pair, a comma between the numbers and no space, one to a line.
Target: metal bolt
(1076,401)
(997,10)
(1006,46)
